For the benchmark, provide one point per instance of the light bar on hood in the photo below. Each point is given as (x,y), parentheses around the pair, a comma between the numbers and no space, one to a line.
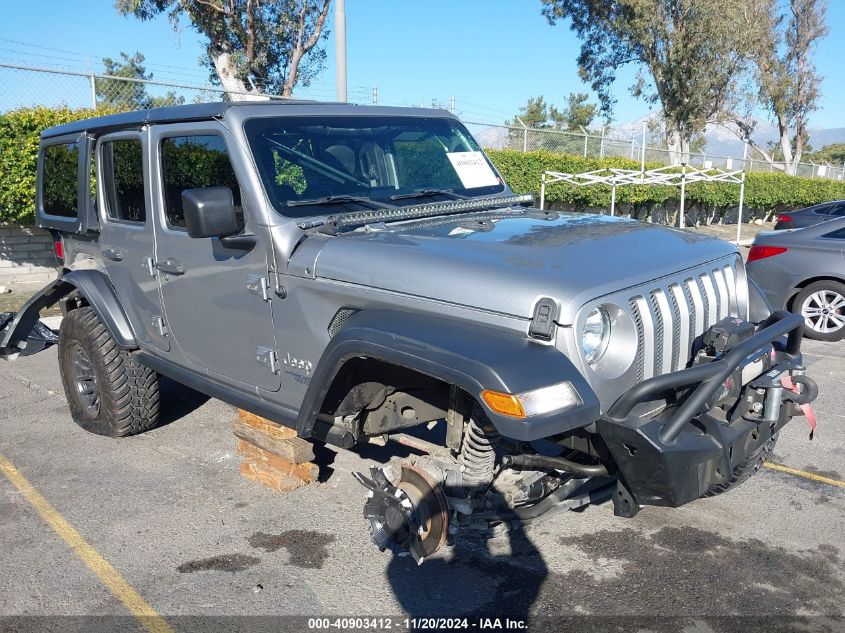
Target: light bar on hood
(426,210)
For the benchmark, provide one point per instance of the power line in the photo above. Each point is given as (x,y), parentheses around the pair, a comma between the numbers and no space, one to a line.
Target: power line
(483,107)
(85,60)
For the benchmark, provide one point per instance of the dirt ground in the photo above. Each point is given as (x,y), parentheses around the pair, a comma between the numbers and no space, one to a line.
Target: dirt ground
(12,302)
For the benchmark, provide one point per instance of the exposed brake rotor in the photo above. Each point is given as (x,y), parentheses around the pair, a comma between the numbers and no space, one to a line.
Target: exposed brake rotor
(410,518)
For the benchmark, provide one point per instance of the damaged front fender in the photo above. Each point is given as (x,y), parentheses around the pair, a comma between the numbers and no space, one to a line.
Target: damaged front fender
(97,291)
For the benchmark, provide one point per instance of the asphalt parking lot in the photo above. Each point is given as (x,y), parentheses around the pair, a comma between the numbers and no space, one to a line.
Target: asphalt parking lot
(169,514)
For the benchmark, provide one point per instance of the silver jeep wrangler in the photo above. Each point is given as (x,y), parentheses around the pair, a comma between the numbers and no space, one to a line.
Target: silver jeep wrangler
(364,274)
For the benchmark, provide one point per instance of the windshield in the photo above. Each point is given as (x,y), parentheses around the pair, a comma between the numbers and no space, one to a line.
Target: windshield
(302,159)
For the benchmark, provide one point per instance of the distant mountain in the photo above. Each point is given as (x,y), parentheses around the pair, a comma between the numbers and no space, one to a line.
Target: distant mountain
(723,142)
(720,141)
(494,137)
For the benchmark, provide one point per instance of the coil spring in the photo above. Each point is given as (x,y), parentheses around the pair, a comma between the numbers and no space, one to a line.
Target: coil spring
(478,450)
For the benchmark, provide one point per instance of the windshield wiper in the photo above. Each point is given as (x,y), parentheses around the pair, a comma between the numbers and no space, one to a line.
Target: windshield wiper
(427,193)
(340,199)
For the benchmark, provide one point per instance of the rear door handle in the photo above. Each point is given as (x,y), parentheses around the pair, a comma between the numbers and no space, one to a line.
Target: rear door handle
(171,266)
(113,254)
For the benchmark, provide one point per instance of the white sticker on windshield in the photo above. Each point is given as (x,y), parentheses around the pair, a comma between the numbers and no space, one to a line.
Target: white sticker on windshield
(473,169)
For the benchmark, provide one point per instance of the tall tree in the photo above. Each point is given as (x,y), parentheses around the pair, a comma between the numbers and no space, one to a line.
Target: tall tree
(578,112)
(787,80)
(115,92)
(689,54)
(253,47)
(125,93)
(535,113)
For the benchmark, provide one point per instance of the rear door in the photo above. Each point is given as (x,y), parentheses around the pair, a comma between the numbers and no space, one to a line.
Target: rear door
(219,322)
(126,231)
(834,242)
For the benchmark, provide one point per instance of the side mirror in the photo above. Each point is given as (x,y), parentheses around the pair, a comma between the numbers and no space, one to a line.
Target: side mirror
(209,212)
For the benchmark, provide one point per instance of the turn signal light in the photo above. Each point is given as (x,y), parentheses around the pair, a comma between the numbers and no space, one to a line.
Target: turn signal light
(60,253)
(542,401)
(504,403)
(761,252)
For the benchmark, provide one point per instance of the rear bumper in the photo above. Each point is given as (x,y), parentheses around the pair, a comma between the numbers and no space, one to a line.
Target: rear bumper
(676,456)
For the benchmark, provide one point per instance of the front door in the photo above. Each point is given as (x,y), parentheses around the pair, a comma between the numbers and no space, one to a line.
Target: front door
(126,232)
(212,312)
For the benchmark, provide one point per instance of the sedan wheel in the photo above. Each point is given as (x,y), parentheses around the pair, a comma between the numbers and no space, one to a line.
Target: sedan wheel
(822,305)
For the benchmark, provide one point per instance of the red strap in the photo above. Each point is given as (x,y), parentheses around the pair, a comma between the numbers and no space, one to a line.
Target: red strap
(806,409)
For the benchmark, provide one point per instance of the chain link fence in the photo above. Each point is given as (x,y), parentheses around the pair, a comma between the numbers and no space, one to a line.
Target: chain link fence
(593,145)
(23,85)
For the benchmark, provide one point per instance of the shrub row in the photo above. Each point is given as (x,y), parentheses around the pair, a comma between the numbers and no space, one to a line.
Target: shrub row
(765,193)
(19,131)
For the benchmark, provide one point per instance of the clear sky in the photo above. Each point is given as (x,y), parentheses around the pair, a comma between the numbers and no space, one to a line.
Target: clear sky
(490,54)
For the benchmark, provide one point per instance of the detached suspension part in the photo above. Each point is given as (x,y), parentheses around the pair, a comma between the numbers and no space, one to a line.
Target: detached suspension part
(412,517)
(409,518)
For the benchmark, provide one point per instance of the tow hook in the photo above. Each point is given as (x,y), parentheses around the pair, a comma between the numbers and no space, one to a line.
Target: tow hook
(779,386)
(802,397)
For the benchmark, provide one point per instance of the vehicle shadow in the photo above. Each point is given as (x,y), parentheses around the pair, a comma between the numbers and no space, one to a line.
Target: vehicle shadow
(177,401)
(473,581)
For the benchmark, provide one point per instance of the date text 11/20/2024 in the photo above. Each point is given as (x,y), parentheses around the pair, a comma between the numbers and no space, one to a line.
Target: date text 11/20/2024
(417,624)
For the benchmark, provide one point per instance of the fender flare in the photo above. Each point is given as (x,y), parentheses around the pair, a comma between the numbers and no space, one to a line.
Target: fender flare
(97,290)
(470,356)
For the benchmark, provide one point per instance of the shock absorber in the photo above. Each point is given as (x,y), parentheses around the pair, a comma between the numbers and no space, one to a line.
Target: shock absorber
(478,451)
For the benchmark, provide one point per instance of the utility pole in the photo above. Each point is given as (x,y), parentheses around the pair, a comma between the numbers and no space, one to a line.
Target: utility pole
(452,104)
(340,48)
(642,150)
(375,95)
(93,83)
(682,210)
(745,143)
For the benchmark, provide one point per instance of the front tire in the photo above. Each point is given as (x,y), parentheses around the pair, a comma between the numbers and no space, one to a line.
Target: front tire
(822,304)
(108,391)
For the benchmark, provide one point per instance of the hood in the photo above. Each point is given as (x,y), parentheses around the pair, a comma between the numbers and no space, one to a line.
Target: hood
(504,263)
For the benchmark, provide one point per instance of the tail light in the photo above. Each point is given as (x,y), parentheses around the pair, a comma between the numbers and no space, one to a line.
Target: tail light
(761,252)
(60,252)
(783,217)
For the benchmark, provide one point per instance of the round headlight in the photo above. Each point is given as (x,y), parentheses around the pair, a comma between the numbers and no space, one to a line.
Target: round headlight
(595,335)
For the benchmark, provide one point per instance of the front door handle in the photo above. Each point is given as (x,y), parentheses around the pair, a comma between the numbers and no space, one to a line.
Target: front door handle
(113,254)
(171,266)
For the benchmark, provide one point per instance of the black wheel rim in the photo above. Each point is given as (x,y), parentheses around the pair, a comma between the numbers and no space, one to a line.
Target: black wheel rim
(85,382)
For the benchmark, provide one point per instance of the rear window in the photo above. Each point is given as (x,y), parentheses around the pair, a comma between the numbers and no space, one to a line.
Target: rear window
(123,180)
(59,189)
(839,234)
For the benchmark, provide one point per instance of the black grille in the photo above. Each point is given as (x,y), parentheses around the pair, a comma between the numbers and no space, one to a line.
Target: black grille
(339,319)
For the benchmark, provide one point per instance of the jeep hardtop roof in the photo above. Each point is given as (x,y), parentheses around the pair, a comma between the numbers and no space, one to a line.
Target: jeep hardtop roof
(207,111)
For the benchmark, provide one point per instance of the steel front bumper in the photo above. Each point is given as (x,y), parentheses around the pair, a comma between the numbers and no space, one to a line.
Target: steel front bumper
(675,456)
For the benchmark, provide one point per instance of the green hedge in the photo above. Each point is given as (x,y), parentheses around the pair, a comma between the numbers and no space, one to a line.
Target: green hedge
(765,192)
(19,132)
